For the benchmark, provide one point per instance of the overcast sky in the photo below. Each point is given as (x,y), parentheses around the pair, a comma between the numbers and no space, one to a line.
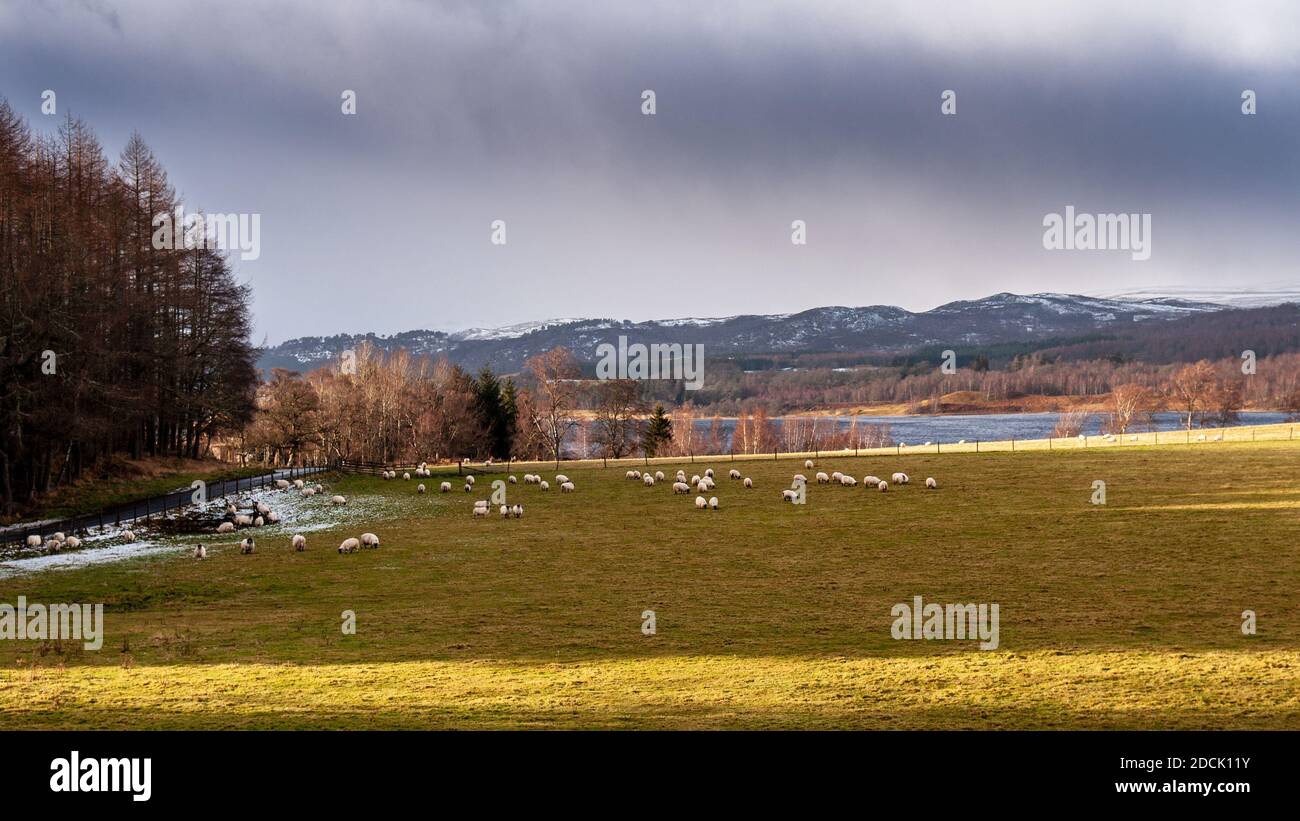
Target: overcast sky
(827,112)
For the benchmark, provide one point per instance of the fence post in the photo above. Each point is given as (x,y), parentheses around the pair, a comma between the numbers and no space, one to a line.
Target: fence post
(1013,444)
(977,446)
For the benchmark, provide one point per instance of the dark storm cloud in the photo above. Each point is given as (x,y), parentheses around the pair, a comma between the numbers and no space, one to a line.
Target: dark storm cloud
(825,112)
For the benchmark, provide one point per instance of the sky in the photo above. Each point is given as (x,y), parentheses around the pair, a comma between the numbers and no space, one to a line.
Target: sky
(530,112)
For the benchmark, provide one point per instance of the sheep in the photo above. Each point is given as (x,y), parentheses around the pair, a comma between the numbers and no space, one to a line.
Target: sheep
(659,475)
(931,483)
(272,518)
(823,479)
(701,486)
(808,464)
(60,537)
(468,487)
(505,512)
(681,487)
(848,481)
(308,491)
(350,546)
(226,527)
(72,543)
(749,482)
(800,479)
(263,508)
(545,485)
(231,510)
(282,484)
(469,480)
(129,535)
(243,521)
(513,480)
(259,521)
(695,480)
(835,477)
(369,540)
(631,474)
(709,473)
(789,495)
(713,503)
(480,511)
(882,486)
(700,502)
(419,488)
(871,481)
(445,487)
(33,541)
(247,546)
(298,542)
(560,478)
(567,487)
(298,483)
(480,503)
(733,474)
(961,441)
(648,480)
(517,511)
(200,552)
(53,545)
(338,500)
(406,477)
(899,478)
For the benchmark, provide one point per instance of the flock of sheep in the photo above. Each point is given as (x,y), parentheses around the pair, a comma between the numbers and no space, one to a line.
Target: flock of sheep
(60,541)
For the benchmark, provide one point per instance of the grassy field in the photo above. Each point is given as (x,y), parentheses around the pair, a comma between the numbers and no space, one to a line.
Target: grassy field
(769,615)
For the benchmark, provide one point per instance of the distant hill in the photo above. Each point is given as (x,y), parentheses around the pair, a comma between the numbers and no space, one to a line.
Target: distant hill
(1111,325)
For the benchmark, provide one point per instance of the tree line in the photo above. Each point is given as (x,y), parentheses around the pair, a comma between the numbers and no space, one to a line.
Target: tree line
(107,345)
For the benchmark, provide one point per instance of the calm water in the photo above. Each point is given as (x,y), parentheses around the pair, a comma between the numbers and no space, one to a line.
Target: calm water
(914,430)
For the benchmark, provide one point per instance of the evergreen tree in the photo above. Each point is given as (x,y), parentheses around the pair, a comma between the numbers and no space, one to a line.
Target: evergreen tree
(658,433)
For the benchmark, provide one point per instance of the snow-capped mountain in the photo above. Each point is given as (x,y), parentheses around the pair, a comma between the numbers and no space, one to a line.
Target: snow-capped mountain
(995,319)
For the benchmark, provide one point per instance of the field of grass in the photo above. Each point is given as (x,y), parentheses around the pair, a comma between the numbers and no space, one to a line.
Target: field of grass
(769,615)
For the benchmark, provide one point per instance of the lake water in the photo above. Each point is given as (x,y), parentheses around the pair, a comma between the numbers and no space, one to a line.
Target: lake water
(987,427)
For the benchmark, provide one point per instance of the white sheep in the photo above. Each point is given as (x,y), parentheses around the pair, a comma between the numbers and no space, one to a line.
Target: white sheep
(799,479)
(308,491)
(749,482)
(247,546)
(823,479)
(226,527)
(231,510)
(406,477)
(848,481)
(369,540)
(60,537)
(882,486)
(33,541)
(700,502)
(648,480)
(709,473)
(419,488)
(713,503)
(631,474)
(338,500)
(469,480)
(808,464)
(871,481)
(560,478)
(566,487)
(272,518)
(681,487)
(243,521)
(298,483)
(129,535)
(517,511)
(695,480)
(789,495)
(298,542)
(468,487)
(733,474)
(350,546)
(282,484)
(200,552)
(263,508)
(899,478)
(72,543)
(659,475)
(445,487)
(835,477)
(53,545)
(513,480)
(259,521)
(505,512)
(545,485)
(931,483)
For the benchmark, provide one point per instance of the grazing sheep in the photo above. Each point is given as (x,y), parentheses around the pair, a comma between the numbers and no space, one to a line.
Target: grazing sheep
(298,542)
(709,473)
(247,546)
(701,486)
(899,478)
(648,480)
(419,488)
(681,487)
(545,485)
(282,484)
(272,518)
(33,541)
(468,487)
(713,503)
(200,552)
(349,546)
(469,480)
(259,521)
(749,482)
(505,512)
(445,487)
(231,510)
(823,479)
(695,480)
(848,481)
(369,540)
(60,537)
(406,477)
(733,474)
(338,500)
(871,481)
(931,483)
(700,502)
(513,480)
(243,521)
(53,545)
(309,491)
(298,483)
(808,464)
(72,543)
(560,478)
(517,511)
(799,478)
(480,511)
(226,527)
(129,535)
(789,495)
(835,477)
(659,475)
(263,508)
(567,487)
(882,486)
(631,474)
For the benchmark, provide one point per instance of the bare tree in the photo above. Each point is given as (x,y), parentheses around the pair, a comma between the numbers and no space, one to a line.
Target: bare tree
(618,406)
(1190,389)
